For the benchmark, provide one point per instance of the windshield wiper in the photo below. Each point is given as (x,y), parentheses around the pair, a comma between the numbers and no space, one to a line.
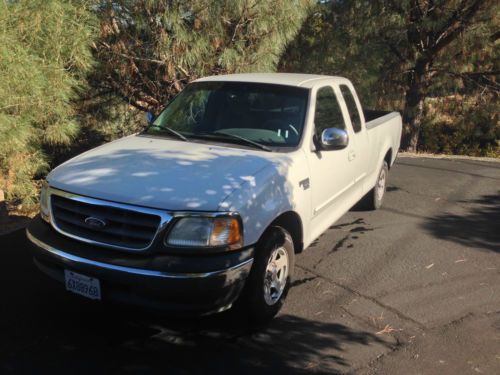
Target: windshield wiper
(237,137)
(171,131)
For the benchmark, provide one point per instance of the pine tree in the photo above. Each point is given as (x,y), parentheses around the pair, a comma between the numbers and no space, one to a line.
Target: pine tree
(150,49)
(44,55)
(411,49)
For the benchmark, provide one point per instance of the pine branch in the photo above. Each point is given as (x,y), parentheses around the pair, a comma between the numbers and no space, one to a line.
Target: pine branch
(95,95)
(414,28)
(483,73)
(135,58)
(394,50)
(458,22)
(128,97)
(472,77)
(396,5)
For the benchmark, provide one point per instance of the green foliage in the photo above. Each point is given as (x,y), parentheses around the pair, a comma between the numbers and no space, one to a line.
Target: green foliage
(457,124)
(400,54)
(44,54)
(334,41)
(149,49)
(101,119)
(74,74)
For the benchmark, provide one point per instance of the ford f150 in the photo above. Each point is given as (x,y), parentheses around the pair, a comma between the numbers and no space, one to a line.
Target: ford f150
(210,204)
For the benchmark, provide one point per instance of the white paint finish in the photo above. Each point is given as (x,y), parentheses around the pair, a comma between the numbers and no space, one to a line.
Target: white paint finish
(333,172)
(174,175)
(159,173)
(384,136)
(275,191)
(287,79)
(381,120)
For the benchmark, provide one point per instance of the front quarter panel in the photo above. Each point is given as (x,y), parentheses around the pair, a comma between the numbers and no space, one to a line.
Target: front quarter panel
(271,192)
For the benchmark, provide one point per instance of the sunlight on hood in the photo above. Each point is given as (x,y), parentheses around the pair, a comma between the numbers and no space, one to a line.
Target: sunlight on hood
(160,173)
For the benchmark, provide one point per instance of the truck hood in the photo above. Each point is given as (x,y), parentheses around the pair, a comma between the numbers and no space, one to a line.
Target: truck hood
(160,173)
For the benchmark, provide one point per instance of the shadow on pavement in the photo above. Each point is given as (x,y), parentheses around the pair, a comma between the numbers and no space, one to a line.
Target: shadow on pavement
(446,170)
(10,223)
(46,330)
(478,227)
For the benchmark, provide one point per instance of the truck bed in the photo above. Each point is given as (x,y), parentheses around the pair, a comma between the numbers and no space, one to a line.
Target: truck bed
(372,114)
(374,118)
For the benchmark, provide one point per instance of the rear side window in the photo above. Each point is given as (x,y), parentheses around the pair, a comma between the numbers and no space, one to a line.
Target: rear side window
(328,113)
(351,107)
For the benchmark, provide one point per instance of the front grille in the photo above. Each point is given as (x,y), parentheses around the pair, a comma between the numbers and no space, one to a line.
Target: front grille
(119,227)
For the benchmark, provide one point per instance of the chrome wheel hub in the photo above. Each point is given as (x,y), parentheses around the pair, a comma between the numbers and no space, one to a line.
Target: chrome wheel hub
(276,276)
(381,185)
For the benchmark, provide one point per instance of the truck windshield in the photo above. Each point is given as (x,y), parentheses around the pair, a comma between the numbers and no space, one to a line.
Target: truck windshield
(236,112)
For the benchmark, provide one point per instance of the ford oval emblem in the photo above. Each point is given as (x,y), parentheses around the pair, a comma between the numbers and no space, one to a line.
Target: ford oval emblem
(95,222)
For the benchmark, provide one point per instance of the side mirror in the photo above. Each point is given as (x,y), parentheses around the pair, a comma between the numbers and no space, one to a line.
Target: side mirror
(150,117)
(334,139)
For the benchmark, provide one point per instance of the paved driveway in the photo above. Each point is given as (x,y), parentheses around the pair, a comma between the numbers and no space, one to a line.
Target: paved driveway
(413,288)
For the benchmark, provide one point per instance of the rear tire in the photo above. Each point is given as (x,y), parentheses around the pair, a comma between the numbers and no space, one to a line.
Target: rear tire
(270,279)
(374,198)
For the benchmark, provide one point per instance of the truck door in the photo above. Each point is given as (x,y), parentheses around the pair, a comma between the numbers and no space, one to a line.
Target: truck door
(361,151)
(332,176)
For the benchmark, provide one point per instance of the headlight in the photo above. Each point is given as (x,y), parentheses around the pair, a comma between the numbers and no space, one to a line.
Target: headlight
(44,202)
(222,231)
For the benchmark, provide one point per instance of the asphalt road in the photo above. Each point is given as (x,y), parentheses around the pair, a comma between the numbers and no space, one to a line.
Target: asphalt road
(413,288)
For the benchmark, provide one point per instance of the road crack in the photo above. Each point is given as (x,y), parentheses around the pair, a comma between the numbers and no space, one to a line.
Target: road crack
(396,312)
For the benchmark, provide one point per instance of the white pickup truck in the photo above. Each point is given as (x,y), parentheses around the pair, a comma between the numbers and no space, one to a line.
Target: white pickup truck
(210,204)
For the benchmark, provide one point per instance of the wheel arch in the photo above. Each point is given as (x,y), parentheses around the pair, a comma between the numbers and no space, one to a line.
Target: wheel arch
(291,221)
(388,158)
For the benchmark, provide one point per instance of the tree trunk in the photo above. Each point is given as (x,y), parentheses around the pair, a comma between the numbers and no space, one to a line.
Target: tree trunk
(413,113)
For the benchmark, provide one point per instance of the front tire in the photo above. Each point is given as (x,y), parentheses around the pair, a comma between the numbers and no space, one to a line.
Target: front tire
(270,279)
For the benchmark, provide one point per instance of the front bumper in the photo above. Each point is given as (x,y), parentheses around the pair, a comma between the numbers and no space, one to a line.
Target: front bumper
(196,284)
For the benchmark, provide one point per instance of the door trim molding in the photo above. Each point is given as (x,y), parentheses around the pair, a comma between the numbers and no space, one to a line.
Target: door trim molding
(330,200)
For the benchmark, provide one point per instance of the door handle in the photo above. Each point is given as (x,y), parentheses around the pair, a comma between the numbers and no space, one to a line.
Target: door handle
(351,155)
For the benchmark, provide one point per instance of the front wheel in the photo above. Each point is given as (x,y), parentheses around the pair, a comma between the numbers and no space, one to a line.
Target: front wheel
(269,281)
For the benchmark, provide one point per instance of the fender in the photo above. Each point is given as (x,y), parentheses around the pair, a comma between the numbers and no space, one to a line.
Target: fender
(272,191)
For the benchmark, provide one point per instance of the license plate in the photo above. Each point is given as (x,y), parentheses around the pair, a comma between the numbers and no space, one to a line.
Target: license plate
(83,285)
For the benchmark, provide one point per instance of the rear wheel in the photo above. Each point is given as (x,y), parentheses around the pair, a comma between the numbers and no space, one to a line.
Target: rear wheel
(375,197)
(269,281)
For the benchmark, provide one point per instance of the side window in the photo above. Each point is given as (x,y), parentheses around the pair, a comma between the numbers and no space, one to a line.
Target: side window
(328,113)
(351,107)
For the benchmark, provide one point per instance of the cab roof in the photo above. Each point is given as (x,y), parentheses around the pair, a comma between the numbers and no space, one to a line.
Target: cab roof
(288,79)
